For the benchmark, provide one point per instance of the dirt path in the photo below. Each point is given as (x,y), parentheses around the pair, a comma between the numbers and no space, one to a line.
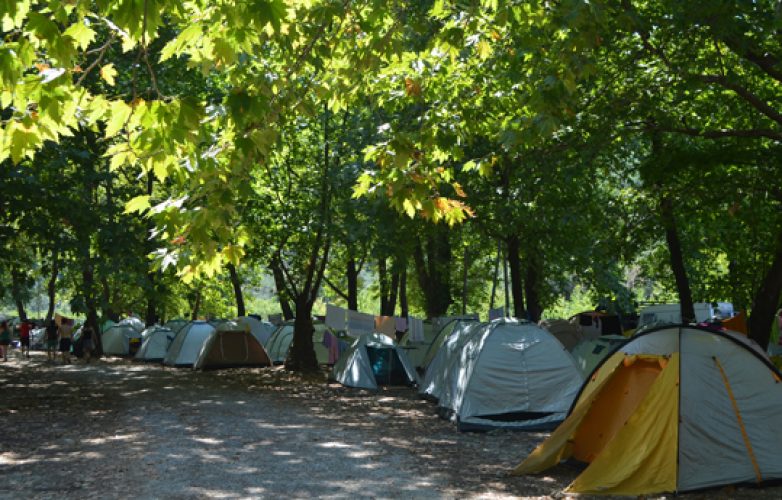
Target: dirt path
(117,429)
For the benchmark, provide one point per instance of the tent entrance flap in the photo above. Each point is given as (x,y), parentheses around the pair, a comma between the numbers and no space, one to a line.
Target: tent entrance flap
(386,366)
(617,400)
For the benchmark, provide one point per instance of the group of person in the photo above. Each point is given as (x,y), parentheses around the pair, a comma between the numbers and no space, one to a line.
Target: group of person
(57,338)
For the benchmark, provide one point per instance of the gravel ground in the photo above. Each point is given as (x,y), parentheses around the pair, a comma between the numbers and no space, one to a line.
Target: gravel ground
(114,429)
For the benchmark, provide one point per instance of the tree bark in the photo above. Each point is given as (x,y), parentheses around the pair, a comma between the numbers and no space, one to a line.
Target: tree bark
(106,307)
(668,220)
(88,289)
(433,269)
(403,308)
(495,278)
(282,293)
(531,287)
(352,272)
(465,267)
(17,282)
(766,300)
(237,290)
(516,285)
(302,352)
(51,287)
(196,306)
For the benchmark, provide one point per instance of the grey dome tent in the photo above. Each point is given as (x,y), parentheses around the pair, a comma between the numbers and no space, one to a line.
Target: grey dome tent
(261,330)
(453,325)
(176,324)
(446,359)
(280,341)
(155,343)
(374,360)
(589,353)
(120,339)
(187,344)
(230,345)
(510,374)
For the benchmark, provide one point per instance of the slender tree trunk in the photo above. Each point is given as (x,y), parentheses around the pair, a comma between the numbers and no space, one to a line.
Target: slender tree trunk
(403,308)
(17,283)
(106,307)
(282,294)
(506,283)
(388,289)
(51,287)
(237,290)
(88,289)
(495,276)
(394,292)
(531,287)
(766,300)
(516,285)
(151,314)
(465,267)
(668,219)
(302,352)
(352,272)
(196,306)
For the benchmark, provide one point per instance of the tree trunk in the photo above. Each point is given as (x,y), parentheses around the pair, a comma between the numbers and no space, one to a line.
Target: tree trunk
(766,300)
(433,269)
(282,294)
(403,308)
(151,314)
(352,272)
(196,306)
(51,287)
(677,259)
(302,353)
(388,290)
(531,287)
(465,267)
(17,283)
(495,278)
(516,285)
(88,289)
(106,307)
(237,290)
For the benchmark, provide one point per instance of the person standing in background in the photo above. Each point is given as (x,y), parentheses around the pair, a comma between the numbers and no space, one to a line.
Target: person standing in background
(24,337)
(5,339)
(51,341)
(66,332)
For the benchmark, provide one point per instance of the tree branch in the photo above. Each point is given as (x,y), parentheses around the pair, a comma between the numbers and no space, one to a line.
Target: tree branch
(334,287)
(722,133)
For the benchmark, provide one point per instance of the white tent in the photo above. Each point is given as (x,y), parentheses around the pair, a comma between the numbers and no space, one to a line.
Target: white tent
(443,334)
(510,374)
(280,342)
(591,352)
(187,344)
(261,330)
(116,340)
(134,323)
(373,360)
(155,343)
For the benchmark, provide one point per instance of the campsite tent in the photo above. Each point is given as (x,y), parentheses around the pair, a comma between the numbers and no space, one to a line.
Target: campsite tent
(676,408)
(589,353)
(121,339)
(374,360)
(187,344)
(568,333)
(445,332)
(228,346)
(510,374)
(175,324)
(280,342)
(446,360)
(593,324)
(155,342)
(133,322)
(261,330)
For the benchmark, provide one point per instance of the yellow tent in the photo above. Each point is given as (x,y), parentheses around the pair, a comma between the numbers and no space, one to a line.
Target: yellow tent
(642,432)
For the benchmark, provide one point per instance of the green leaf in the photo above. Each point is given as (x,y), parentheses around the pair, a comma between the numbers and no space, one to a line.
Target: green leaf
(120,112)
(108,73)
(81,34)
(137,204)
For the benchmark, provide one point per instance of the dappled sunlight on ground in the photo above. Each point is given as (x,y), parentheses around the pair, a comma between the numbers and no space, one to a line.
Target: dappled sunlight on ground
(118,429)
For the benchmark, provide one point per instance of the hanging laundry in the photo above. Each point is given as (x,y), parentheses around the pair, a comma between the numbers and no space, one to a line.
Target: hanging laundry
(359,323)
(335,317)
(415,329)
(331,342)
(386,325)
